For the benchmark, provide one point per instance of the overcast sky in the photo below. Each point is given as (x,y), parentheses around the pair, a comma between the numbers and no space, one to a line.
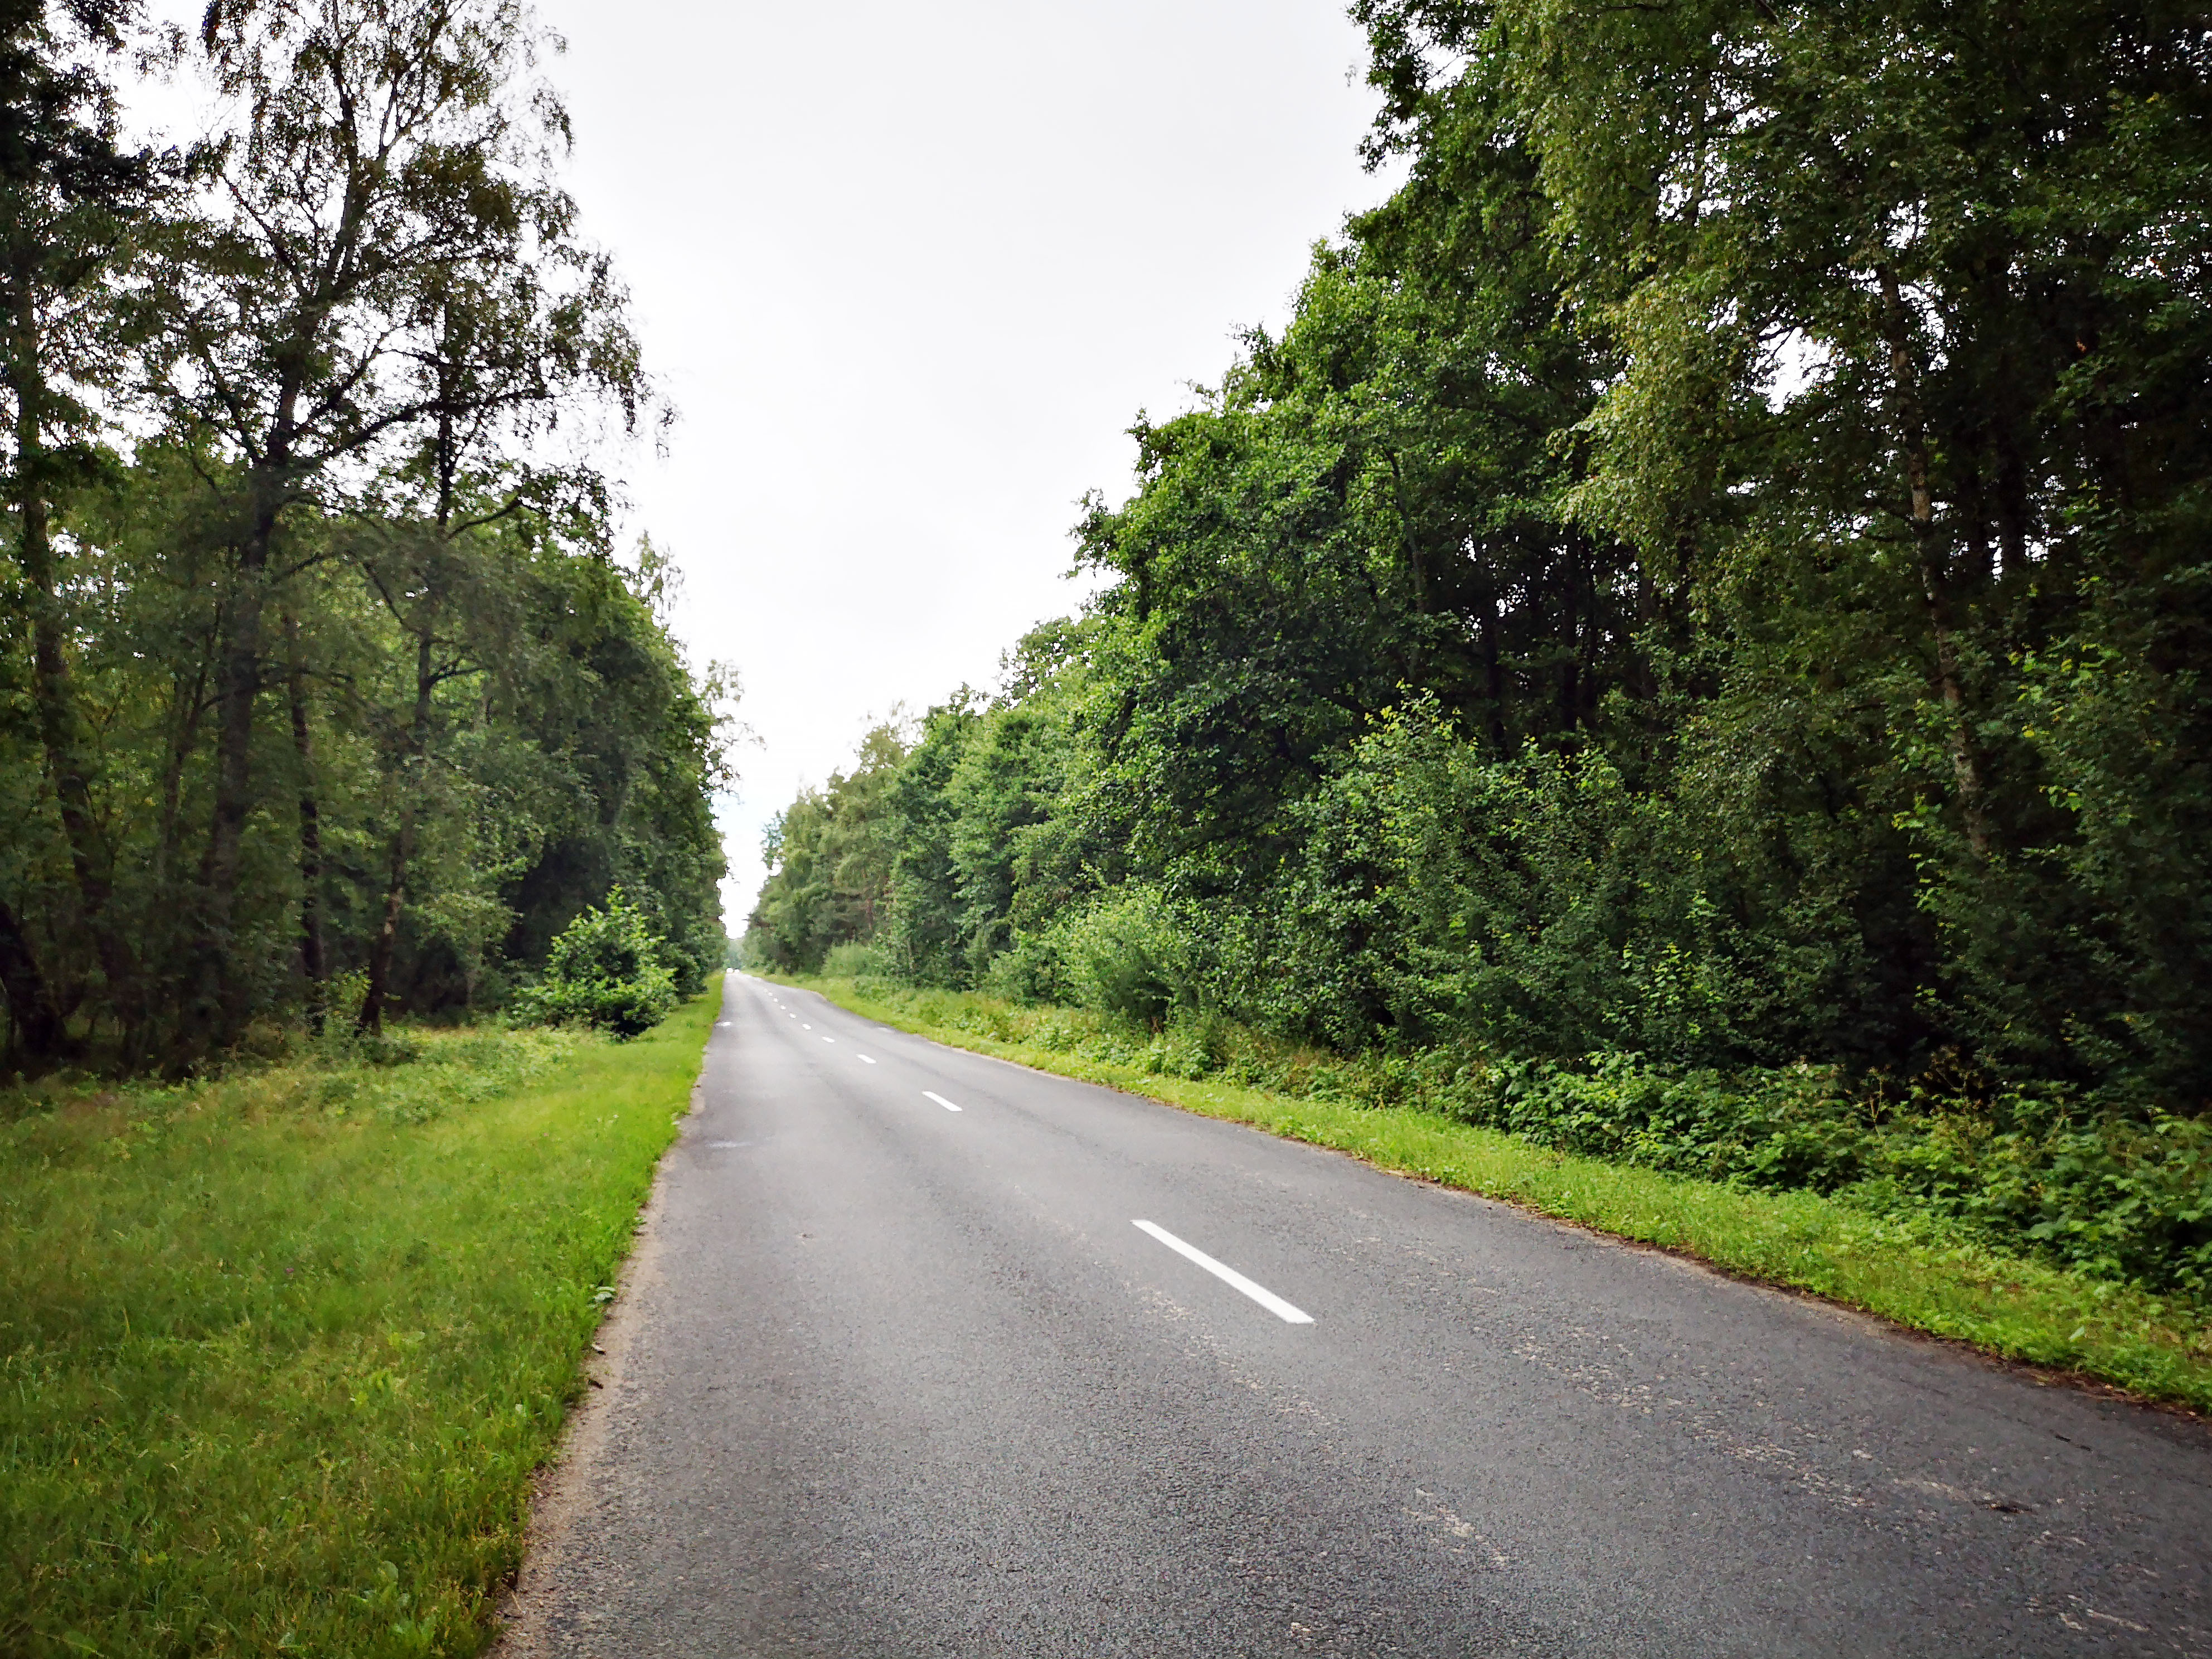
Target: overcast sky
(908,272)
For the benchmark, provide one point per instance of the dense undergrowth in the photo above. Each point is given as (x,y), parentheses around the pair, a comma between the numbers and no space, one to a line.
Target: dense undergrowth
(2125,1199)
(279,1350)
(2104,1193)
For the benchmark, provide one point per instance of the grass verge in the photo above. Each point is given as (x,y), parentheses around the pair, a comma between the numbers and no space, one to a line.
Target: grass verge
(1910,1271)
(278,1353)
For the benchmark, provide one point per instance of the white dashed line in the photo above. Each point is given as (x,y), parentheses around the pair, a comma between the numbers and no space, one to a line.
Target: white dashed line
(827,1039)
(1228,1276)
(931,1094)
(864,1059)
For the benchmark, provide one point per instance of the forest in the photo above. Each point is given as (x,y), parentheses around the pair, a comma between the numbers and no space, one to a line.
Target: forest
(325,691)
(1688,643)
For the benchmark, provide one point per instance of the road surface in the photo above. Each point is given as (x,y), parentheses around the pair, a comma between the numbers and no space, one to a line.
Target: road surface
(1066,1373)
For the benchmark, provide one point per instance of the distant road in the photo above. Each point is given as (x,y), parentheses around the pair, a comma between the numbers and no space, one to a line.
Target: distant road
(1066,1373)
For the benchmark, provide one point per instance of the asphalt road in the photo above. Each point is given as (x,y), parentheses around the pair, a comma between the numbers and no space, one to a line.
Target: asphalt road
(905,1380)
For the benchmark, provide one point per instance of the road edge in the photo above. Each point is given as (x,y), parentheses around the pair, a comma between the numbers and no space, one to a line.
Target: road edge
(2188,1396)
(560,1487)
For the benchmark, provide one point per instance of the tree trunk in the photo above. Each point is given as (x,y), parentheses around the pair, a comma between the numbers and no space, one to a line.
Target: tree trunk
(61,732)
(216,1010)
(185,709)
(312,965)
(1935,588)
(2013,508)
(37,1024)
(1571,698)
(1643,681)
(386,942)
(1493,672)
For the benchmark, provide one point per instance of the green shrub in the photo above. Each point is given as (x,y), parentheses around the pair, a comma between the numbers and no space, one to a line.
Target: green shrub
(1538,903)
(1126,956)
(607,969)
(2096,1189)
(853,960)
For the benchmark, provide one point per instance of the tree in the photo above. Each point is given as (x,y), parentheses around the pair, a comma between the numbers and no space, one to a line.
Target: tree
(69,197)
(606,969)
(500,368)
(1712,568)
(392,154)
(830,857)
(305,433)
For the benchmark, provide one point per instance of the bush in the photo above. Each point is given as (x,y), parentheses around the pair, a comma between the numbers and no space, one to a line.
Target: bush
(2089,1187)
(856,961)
(607,969)
(1032,971)
(1126,956)
(1542,904)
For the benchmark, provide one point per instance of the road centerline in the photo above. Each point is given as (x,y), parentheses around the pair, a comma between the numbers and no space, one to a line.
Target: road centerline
(1228,1275)
(932,1094)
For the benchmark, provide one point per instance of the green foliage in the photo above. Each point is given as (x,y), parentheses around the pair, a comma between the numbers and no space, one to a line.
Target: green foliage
(1128,956)
(830,856)
(283,1351)
(1706,592)
(855,960)
(2103,1195)
(1539,904)
(317,685)
(607,969)
(1910,406)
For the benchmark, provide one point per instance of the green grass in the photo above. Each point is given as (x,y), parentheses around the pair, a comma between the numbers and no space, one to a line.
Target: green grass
(1913,1273)
(278,1353)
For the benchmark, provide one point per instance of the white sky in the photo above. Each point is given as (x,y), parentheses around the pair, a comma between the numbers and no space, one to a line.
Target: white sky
(908,272)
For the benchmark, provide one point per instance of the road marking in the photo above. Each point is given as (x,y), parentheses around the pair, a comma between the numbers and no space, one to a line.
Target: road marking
(932,1094)
(1228,1276)
(864,1059)
(803,1025)
(721,1026)
(824,1039)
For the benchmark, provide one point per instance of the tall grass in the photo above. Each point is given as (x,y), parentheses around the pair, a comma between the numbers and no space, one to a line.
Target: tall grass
(279,1352)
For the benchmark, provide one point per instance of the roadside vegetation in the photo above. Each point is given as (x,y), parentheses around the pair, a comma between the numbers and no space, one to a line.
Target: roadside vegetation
(279,1352)
(358,870)
(1935,1266)
(326,692)
(1688,648)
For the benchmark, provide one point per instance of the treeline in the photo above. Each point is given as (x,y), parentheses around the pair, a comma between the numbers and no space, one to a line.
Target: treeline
(322,691)
(1715,570)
